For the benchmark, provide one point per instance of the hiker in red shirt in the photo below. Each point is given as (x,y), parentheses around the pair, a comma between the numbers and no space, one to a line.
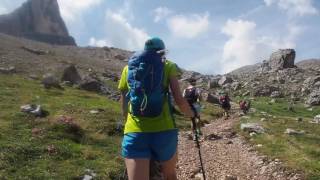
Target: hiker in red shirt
(224,101)
(244,106)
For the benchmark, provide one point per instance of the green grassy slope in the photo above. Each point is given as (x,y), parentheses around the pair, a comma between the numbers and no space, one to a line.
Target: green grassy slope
(300,152)
(92,144)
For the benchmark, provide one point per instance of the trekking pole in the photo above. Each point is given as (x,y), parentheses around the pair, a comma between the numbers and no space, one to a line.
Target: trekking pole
(198,145)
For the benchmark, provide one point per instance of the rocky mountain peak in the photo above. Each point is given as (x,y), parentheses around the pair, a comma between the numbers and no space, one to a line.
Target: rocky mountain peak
(38,20)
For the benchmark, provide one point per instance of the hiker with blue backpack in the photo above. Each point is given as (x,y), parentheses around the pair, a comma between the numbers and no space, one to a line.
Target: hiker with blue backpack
(150,132)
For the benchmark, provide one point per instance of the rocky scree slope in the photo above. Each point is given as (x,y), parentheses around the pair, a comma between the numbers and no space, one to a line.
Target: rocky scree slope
(93,69)
(277,77)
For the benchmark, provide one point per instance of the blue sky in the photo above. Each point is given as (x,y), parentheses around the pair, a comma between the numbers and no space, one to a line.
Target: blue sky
(209,36)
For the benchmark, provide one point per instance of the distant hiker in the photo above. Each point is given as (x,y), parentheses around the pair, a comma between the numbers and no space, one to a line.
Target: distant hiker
(244,106)
(150,131)
(224,101)
(193,97)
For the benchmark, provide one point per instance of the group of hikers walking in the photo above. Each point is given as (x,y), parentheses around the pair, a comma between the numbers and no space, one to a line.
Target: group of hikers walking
(147,83)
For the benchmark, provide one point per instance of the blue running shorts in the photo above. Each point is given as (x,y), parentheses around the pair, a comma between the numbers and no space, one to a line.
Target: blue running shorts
(159,146)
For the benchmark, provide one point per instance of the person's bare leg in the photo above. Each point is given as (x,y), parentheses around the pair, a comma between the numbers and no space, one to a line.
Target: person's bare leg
(169,168)
(138,169)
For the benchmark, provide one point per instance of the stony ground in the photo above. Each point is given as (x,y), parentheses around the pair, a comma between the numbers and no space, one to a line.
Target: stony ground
(226,156)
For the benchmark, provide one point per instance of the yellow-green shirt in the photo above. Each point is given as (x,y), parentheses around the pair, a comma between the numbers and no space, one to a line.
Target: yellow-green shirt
(146,124)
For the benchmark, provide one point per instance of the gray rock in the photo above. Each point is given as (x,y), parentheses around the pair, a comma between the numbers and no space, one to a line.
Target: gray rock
(213,83)
(208,97)
(49,81)
(71,74)
(265,67)
(230,177)
(264,90)
(252,127)
(246,93)
(316,119)
(310,82)
(32,109)
(94,85)
(275,94)
(314,98)
(9,70)
(225,80)
(290,131)
(94,111)
(89,175)
(90,84)
(235,86)
(283,58)
(35,51)
(111,76)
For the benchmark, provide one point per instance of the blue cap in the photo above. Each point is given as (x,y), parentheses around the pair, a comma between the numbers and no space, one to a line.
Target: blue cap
(154,43)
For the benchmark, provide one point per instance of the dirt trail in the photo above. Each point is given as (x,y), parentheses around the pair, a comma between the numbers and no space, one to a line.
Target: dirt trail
(226,156)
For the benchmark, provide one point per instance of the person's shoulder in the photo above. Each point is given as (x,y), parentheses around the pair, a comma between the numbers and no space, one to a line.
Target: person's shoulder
(169,65)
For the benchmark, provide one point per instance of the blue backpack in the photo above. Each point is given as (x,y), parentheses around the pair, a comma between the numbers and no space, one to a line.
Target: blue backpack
(145,79)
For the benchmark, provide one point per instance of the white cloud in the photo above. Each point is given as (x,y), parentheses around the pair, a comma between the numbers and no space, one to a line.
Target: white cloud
(98,43)
(161,13)
(71,9)
(246,47)
(240,48)
(188,26)
(3,10)
(295,7)
(120,33)
(269,2)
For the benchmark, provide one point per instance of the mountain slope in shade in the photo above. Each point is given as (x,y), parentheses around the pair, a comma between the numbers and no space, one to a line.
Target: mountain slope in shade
(38,20)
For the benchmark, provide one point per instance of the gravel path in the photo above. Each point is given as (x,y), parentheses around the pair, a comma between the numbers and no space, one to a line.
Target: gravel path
(226,156)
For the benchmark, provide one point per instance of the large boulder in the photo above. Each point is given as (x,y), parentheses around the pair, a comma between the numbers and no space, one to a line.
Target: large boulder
(38,20)
(314,98)
(213,82)
(283,58)
(264,90)
(50,81)
(9,70)
(71,75)
(252,127)
(210,98)
(265,67)
(90,84)
(225,80)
